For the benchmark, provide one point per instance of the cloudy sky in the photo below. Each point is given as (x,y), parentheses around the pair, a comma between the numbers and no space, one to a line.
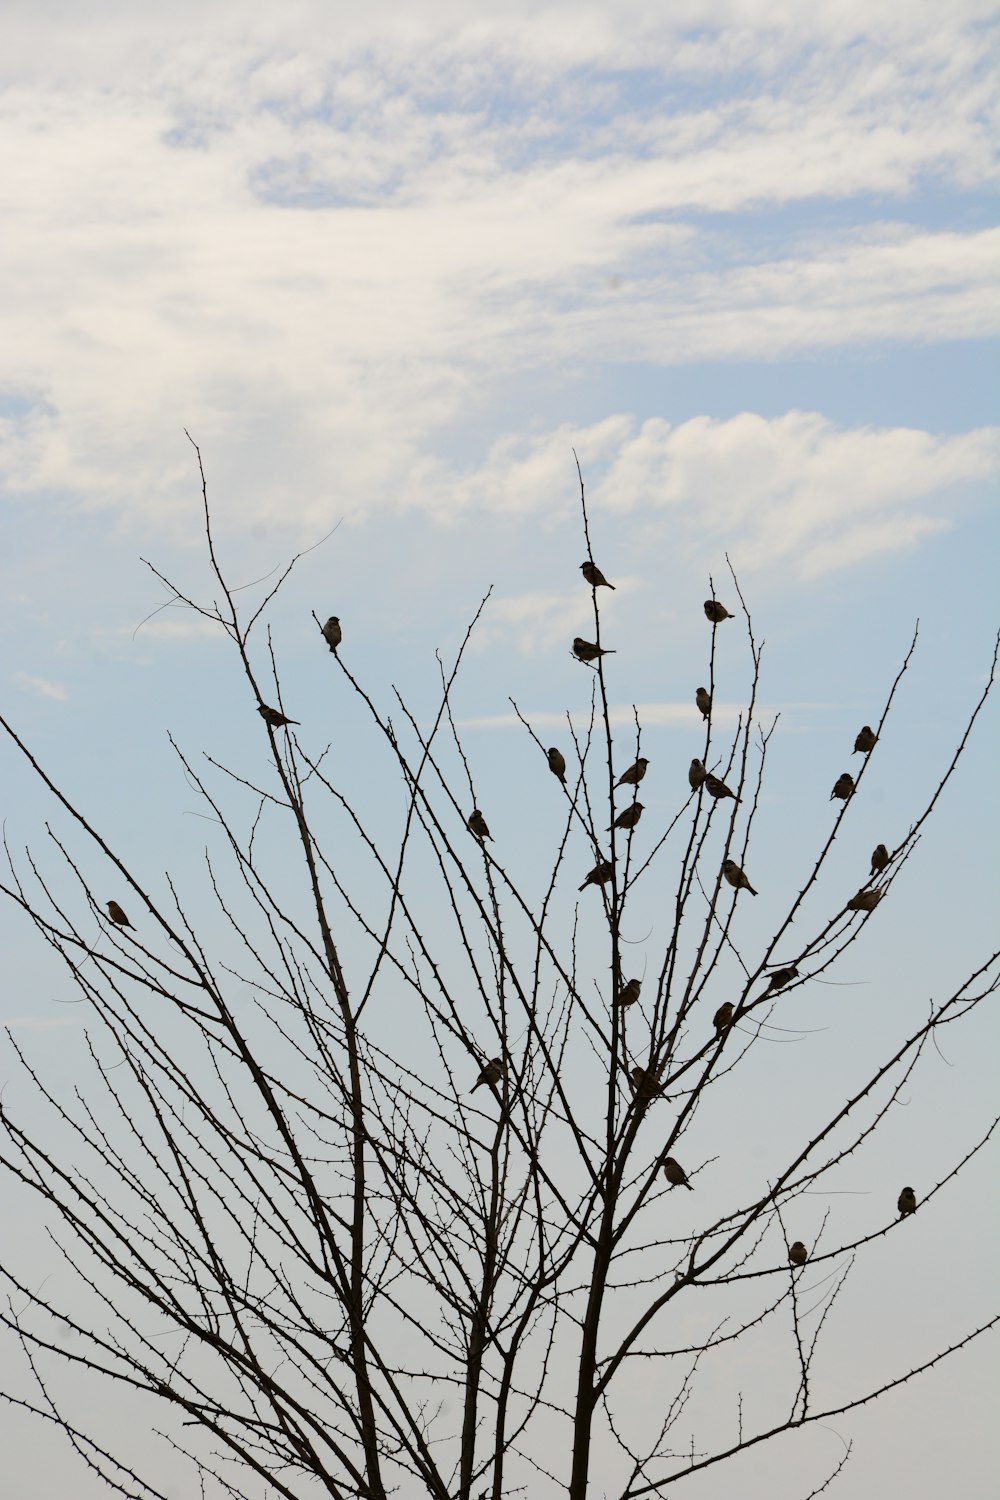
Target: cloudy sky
(390,265)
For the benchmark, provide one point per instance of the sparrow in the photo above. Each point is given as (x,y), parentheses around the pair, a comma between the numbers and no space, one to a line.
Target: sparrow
(798,1254)
(780,978)
(645,1082)
(907,1202)
(634,774)
(723,1018)
(696,774)
(271,716)
(717,788)
(594,576)
(476,824)
(866,900)
(880,858)
(866,741)
(629,993)
(492,1073)
(628,817)
(332,633)
(599,875)
(675,1174)
(557,763)
(736,877)
(587,651)
(703,700)
(717,612)
(118,916)
(843,787)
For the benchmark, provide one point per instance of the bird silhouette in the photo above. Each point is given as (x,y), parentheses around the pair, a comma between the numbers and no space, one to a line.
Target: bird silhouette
(629,993)
(843,787)
(332,633)
(880,858)
(798,1254)
(696,774)
(675,1174)
(866,741)
(646,1082)
(907,1202)
(476,824)
(717,788)
(628,817)
(491,1074)
(587,650)
(736,877)
(594,576)
(634,774)
(557,763)
(703,700)
(717,612)
(780,978)
(865,900)
(272,717)
(599,875)
(118,916)
(723,1018)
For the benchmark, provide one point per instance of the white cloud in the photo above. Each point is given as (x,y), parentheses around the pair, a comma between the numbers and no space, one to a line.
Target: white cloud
(41,686)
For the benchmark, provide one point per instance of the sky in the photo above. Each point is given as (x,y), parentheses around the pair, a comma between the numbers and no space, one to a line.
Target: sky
(392,267)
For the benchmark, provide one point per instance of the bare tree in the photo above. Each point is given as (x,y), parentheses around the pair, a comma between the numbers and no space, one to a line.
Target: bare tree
(386,1189)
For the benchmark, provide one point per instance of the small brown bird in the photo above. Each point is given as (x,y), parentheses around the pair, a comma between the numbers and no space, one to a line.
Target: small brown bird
(118,916)
(557,763)
(634,774)
(272,717)
(866,741)
(781,977)
(332,633)
(587,651)
(675,1174)
(696,774)
(798,1254)
(491,1074)
(907,1202)
(736,877)
(703,700)
(723,1018)
(628,817)
(843,787)
(865,900)
(594,576)
(629,993)
(717,612)
(880,858)
(476,824)
(717,788)
(646,1082)
(599,875)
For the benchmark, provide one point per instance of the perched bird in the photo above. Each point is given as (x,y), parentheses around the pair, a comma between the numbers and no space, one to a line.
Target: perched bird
(723,1018)
(798,1254)
(866,741)
(866,900)
(907,1202)
(594,576)
(843,787)
(634,774)
(557,763)
(629,993)
(599,875)
(476,824)
(717,612)
(271,716)
(587,651)
(628,817)
(646,1082)
(675,1174)
(880,858)
(118,916)
(736,877)
(781,977)
(696,774)
(703,700)
(717,788)
(332,633)
(492,1073)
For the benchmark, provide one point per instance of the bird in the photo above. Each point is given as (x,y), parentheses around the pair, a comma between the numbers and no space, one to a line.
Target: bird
(781,977)
(492,1073)
(866,741)
(843,787)
(118,916)
(907,1202)
(599,875)
(645,1082)
(272,717)
(880,858)
(717,612)
(703,700)
(865,900)
(736,877)
(798,1254)
(587,650)
(634,774)
(476,824)
(332,633)
(675,1174)
(628,817)
(557,763)
(594,576)
(723,1018)
(717,788)
(629,993)
(696,774)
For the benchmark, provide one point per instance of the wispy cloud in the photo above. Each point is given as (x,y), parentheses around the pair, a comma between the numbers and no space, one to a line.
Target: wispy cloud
(41,686)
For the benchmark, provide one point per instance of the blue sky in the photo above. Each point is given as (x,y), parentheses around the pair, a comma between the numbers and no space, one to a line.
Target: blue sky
(389,266)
